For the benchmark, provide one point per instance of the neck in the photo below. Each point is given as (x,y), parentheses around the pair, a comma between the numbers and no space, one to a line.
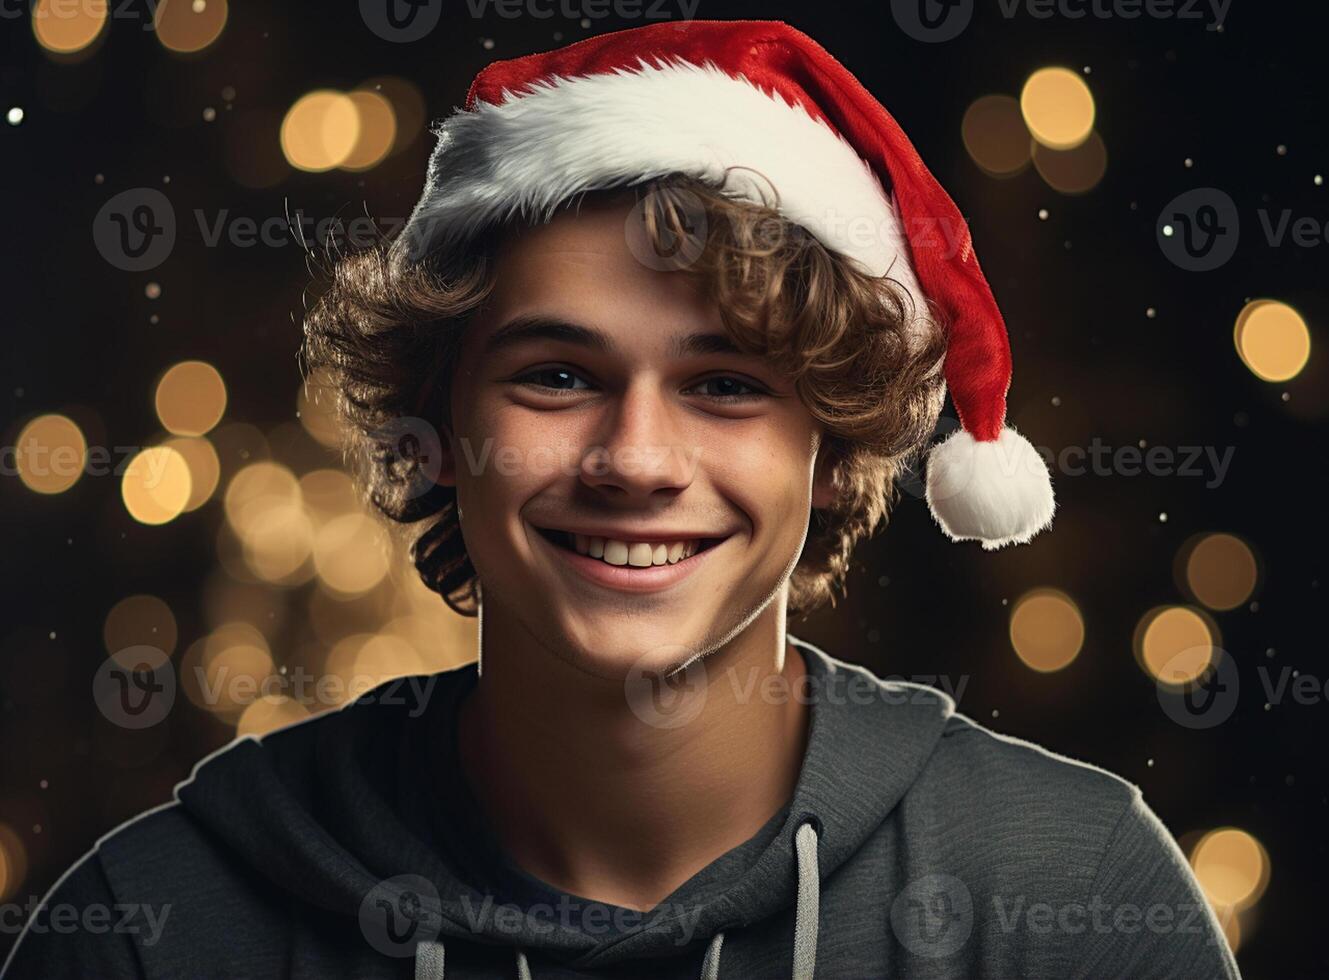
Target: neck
(587,796)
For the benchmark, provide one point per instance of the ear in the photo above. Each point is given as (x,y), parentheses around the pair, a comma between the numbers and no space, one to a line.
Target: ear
(824,492)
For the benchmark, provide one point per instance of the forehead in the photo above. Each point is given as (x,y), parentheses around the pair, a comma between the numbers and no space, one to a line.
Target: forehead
(579,268)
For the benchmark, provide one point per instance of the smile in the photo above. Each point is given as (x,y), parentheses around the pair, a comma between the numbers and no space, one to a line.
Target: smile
(630,564)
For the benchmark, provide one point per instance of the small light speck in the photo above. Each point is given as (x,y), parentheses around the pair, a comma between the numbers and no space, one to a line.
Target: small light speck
(487,44)
(14,116)
(1143,443)
(558,35)
(154,319)
(1270,653)
(152,290)
(1056,401)
(1088,70)
(199,6)
(36,828)
(1167,231)
(1268,706)
(228,93)
(1005,602)
(99,178)
(44,784)
(1151,312)
(1254,606)
(1319,180)
(51,634)
(1282,150)
(1162,517)
(995,712)
(1189,163)
(585,23)
(166,179)
(209,114)
(1149,763)
(883,580)
(1286,396)
(1042,214)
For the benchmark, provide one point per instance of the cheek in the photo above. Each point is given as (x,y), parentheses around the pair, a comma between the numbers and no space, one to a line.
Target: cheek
(506,453)
(767,472)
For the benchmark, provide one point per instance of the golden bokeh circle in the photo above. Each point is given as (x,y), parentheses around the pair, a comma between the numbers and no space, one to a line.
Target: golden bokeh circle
(50,454)
(186,26)
(320,130)
(190,398)
(204,468)
(995,135)
(1058,108)
(137,621)
(1232,867)
(1221,571)
(156,485)
(64,28)
(1046,629)
(1176,645)
(1272,340)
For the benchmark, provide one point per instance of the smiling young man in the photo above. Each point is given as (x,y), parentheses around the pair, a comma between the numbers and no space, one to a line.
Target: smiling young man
(672,303)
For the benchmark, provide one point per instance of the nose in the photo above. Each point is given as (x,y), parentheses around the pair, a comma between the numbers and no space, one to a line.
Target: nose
(639,453)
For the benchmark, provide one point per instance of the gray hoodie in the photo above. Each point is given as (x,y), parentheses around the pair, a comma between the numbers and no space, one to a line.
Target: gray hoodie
(918,844)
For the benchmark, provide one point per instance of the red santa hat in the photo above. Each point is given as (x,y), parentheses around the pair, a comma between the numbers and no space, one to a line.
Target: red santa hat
(739,104)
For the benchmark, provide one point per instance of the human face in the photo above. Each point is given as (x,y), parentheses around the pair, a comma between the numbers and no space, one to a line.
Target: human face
(602,420)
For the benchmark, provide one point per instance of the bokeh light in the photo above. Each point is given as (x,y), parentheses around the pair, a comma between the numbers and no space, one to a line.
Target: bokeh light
(1221,570)
(1232,868)
(408,107)
(995,135)
(190,398)
(204,468)
(65,28)
(377,131)
(1058,108)
(268,713)
(140,620)
(320,131)
(1046,629)
(316,403)
(156,485)
(1175,644)
(351,554)
(51,454)
(185,26)
(1073,171)
(13,862)
(1272,340)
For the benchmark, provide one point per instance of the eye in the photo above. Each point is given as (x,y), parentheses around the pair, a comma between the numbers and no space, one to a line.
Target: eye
(554,378)
(726,387)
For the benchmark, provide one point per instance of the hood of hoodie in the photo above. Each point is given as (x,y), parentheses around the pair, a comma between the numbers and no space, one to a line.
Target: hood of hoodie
(317,809)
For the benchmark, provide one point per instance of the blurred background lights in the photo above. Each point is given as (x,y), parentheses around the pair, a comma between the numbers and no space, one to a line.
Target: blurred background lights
(204,468)
(995,135)
(1175,644)
(1272,340)
(268,713)
(1221,571)
(62,27)
(1047,630)
(1232,868)
(140,620)
(351,554)
(191,398)
(51,454)
(1058,108)
(315,402)
(156,485)
(14,116)
(320,131)
(13,862)
(186,26)
(377,131)
(1073,171)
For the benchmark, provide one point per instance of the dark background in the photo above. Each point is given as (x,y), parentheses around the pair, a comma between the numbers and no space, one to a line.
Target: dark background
(1074,288)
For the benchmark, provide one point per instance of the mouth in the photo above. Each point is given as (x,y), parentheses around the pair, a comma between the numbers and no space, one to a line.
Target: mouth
(629,553)
(637,566)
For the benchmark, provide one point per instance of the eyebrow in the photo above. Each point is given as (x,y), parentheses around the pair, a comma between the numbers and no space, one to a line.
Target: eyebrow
(523,329)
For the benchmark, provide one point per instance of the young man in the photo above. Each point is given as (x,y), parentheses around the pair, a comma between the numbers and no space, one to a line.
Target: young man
(678,338)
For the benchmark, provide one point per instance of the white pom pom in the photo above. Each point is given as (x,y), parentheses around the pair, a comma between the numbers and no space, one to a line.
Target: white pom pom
(998,493)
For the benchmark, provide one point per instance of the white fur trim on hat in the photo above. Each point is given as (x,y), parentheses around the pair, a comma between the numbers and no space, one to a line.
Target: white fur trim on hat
(539,148)
(997,492)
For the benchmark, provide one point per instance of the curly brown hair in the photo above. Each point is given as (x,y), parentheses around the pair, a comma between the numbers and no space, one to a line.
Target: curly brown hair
(866,363)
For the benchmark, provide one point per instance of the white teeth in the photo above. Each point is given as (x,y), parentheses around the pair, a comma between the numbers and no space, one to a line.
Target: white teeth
(637,554)
(616,552)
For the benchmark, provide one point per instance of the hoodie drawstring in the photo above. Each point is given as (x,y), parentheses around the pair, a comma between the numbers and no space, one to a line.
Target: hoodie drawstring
(429,953)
